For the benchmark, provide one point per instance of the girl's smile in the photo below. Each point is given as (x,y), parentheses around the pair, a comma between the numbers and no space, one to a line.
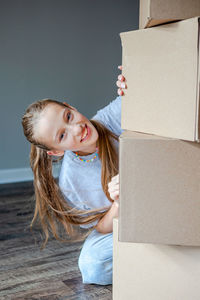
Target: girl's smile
(86,133)
(64,128)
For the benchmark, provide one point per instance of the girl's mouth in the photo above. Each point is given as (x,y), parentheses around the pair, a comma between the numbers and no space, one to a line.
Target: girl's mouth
(86,133)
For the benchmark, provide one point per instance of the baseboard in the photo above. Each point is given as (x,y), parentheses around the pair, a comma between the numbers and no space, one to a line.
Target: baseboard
(21,174)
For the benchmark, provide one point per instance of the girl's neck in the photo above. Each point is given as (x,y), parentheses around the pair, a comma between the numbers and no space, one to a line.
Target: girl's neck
(81,153)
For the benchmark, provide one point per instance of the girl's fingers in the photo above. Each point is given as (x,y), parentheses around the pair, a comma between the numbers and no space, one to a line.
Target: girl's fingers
(118,83)
(121,85)
(114,195)
(113,183)
(113,188)
(121,77)
(120,92)
(116,178)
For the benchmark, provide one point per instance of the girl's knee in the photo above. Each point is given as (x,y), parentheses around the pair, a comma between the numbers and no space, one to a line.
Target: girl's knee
(95,271)
(95,260)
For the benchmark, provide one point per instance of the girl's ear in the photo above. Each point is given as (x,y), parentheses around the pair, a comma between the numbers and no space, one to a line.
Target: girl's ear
(70,106)
(55,153)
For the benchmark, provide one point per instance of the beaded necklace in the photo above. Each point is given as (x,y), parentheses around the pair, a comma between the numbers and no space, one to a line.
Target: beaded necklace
(87,160)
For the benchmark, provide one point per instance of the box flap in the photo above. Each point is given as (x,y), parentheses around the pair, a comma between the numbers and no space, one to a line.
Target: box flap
(144,12)
(152,22)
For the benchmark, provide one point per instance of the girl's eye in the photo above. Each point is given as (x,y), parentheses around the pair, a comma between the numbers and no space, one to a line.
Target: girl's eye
(68,116)
(62,136)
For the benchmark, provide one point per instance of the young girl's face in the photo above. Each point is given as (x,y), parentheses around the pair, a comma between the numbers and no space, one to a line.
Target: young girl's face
(61,128)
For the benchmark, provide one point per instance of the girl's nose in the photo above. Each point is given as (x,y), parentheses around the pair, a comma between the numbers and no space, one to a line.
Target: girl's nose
(76,129)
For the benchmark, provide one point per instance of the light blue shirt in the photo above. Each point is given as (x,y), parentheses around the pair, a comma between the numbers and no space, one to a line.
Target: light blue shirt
(80,182)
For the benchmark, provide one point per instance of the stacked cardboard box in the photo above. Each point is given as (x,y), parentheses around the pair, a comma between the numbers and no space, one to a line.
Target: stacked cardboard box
(154,272)
(159,190)
(155,12)
(160,155)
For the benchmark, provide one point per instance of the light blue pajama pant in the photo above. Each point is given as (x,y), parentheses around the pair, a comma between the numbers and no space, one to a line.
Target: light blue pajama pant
(96,258)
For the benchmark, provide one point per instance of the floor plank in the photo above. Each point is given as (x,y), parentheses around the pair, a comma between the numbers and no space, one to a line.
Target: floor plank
(26,271)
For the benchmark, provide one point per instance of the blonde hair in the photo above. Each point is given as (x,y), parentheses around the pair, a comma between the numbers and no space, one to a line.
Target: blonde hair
(51,206)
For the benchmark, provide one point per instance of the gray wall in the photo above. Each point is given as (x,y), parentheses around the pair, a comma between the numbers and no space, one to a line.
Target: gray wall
(60,49)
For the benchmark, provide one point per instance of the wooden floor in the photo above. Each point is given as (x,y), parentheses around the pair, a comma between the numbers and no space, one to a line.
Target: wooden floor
(26,272)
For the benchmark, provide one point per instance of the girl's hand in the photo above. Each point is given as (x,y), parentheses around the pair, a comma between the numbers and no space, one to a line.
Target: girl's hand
(113,188)
(121,83)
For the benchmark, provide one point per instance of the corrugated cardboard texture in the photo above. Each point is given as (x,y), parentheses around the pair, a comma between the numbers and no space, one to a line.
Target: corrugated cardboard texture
(161,68)
(155,12)
(159,190)
(154,272)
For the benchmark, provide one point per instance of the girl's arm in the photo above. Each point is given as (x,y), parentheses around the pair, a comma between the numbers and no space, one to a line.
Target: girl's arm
(105,225)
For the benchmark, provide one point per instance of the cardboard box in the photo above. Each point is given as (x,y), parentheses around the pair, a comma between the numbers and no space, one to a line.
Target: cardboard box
(161,66)
(159,190)
(154,272)
(155,12)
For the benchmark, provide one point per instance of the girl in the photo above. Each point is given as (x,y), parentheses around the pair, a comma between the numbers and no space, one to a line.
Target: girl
(88,190)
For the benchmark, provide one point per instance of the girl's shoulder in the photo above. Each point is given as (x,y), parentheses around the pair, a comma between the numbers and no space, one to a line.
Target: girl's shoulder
(110,116)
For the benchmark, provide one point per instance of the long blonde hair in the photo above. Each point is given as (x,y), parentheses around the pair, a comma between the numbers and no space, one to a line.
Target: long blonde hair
(51,206)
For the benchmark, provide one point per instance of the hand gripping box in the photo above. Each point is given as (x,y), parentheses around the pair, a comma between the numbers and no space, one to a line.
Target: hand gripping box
(154,272)
(159,190)
(161,66)
(154,12)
